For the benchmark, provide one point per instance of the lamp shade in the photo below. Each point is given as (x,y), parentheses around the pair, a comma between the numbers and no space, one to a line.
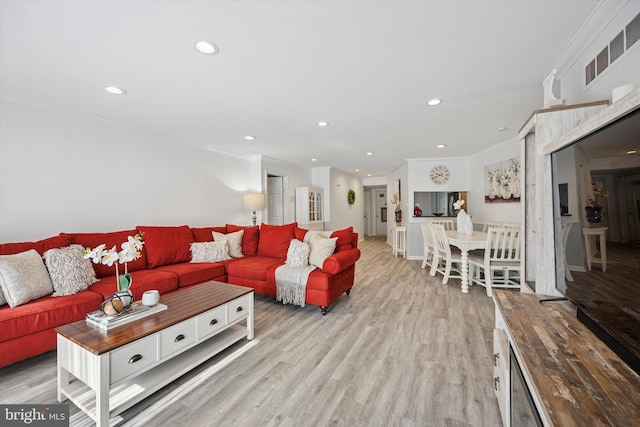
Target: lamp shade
(254,201)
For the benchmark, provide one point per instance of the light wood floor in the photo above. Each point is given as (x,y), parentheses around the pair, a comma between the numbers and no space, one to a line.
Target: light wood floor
(402,350)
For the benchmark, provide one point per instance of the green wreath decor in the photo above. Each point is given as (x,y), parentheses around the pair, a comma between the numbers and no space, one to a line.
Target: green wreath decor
(351,197)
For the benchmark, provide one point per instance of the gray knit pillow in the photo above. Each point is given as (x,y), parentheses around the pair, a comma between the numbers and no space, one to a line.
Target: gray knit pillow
(69,271)
(298,254)
(209,251)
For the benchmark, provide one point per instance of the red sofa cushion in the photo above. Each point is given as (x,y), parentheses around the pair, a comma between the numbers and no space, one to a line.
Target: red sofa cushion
(275,239)
(166,245)
(142,280)
(344,239)
(205,234)
(300,233)
(254,268)
(41,246)
(45,313)
(116,238)
(250,238)
(191,273)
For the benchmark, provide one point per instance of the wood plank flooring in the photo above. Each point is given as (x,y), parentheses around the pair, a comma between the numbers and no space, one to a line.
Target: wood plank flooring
(402,350)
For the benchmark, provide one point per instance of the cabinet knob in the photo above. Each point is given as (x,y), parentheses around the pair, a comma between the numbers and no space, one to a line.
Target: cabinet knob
(213,322)
(135,358)
(179,338)
(496,381)
(238,310)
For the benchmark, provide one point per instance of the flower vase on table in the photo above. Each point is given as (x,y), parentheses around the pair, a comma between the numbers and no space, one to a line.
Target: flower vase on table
(461,220)
(594,202)
(468,226)
(119,301)
(594,214)
(398,217)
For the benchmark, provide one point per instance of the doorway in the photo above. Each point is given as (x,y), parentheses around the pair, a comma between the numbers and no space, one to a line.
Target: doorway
(275,200)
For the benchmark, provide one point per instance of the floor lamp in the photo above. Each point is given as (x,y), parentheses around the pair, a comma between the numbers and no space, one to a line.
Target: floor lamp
(253,202)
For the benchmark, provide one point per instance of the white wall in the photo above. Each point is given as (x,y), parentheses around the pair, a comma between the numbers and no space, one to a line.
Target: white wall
(343,214)
(339,213)
(63,173)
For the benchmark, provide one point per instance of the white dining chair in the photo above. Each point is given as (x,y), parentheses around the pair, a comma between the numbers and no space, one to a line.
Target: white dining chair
(501,254)
(445,258)
(427,247)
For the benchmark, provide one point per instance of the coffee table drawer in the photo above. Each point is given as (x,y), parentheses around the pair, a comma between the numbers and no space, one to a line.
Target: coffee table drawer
(239,307)
(211,321)
(177,337)
(133,357)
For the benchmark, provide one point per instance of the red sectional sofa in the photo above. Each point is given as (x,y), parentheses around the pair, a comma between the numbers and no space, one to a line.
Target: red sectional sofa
(29,329)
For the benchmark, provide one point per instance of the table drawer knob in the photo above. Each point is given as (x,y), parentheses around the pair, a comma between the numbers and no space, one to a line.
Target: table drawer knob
(135,358)
(238,310)
(179,338)
(213,322)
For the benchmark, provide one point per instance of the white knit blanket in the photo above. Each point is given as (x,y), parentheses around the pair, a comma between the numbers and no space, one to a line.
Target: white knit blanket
(291,284)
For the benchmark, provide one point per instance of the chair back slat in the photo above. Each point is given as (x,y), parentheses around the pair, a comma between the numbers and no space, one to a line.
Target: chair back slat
(447,223)
(491,224)
(503,244)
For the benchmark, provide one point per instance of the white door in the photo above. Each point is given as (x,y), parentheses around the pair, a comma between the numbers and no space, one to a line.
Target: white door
(382,214)
(275,200)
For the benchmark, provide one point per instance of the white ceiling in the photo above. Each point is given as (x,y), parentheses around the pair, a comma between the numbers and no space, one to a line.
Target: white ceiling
(368,68)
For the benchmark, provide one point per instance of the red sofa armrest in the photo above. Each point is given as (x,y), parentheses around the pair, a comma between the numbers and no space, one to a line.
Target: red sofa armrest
(338,262)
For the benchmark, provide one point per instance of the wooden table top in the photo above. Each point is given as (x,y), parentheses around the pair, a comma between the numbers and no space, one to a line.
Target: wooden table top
(181,305)
(580,381)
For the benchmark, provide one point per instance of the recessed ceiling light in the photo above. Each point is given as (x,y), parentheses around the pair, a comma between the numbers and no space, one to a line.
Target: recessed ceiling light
(434,101)
(249,138)
(207,48)
(502,128)
(357,170)
(322,124)
(368,174)
(631,152)
(115,90)
(441,145)
(369,153)
(314,160)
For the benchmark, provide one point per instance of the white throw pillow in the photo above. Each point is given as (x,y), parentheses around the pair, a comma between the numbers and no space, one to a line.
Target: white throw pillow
(234,240)
(321,249)
(298,254)
(23,277)
(209,251)
(70,273)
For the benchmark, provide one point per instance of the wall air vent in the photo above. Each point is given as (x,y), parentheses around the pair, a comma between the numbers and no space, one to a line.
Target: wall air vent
(621,42)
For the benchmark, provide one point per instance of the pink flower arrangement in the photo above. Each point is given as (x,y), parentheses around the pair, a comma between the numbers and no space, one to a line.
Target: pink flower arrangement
(597,193)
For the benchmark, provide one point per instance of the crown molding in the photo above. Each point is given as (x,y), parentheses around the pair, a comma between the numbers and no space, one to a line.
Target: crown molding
(604,12)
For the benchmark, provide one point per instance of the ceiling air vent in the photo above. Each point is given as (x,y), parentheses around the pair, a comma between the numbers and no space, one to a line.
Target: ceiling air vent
(616,48)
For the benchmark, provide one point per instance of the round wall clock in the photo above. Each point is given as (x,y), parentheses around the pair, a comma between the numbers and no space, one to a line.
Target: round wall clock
(440,174)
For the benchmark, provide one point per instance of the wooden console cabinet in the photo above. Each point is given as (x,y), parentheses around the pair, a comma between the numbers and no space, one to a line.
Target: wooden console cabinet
(574,379)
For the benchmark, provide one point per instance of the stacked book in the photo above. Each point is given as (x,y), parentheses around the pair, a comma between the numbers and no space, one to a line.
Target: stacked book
(135,312)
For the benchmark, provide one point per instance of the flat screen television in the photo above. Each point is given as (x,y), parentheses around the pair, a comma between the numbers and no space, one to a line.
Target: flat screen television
(602,169)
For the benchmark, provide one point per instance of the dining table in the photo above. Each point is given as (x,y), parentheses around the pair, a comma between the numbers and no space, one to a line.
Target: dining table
(466,243)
